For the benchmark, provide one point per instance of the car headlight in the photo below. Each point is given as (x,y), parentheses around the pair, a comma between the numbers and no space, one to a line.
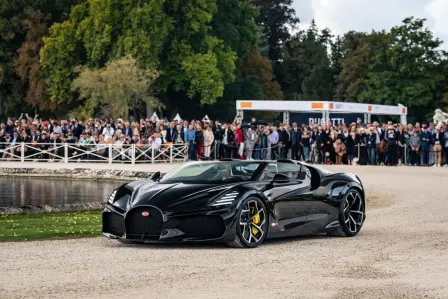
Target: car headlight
(225,200)
(112,197)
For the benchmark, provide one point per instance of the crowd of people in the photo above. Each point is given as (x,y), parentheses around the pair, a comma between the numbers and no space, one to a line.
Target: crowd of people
(355,143)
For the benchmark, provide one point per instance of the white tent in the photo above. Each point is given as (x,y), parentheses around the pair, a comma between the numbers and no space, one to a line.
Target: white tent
(177,117)
(155,116)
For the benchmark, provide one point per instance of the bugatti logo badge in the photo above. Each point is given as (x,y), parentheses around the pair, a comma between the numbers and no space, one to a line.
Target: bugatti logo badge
(145,214)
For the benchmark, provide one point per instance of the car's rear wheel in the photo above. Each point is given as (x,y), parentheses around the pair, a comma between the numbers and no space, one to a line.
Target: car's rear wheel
(351,215)
(252,224)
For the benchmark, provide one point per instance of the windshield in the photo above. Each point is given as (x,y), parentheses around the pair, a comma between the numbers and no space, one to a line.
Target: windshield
(232,171)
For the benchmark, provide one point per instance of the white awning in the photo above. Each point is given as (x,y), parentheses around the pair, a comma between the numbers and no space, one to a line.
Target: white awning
(155,116)
(177,117)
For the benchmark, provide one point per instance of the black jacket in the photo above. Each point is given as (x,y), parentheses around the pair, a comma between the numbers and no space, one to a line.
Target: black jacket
(321,138)
(285,138)
(296,137)
(199,137)
(171,135)
(126,131)
(371,140)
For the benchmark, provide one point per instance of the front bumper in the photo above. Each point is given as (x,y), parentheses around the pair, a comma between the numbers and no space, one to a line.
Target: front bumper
(207,225)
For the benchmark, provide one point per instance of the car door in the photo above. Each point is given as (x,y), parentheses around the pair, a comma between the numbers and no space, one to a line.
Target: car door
(290,201)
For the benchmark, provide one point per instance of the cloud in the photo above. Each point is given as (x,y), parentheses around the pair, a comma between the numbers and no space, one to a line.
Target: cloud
(367,15)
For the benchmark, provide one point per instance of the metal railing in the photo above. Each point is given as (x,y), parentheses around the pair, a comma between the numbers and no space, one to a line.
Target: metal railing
(101,153)
(169,153)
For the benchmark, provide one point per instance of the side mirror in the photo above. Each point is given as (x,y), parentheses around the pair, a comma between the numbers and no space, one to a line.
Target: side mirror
(155,176)
(280,178)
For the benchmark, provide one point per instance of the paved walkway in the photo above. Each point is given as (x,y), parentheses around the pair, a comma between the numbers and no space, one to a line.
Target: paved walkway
(162,167)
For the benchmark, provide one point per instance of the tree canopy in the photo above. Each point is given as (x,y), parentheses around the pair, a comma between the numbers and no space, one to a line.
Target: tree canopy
(207,54)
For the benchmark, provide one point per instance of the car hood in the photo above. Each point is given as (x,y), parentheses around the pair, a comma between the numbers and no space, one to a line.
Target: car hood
(175,196)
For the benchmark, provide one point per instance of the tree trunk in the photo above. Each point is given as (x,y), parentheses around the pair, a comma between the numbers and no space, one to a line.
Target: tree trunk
(149,110)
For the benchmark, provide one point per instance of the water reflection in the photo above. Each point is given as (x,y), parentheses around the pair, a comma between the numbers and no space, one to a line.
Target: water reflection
(17,191)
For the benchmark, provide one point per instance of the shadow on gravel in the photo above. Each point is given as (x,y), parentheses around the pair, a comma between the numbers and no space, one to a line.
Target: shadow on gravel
(214,246)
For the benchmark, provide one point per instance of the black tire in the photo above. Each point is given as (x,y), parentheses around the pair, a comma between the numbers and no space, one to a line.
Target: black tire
(249,231)
(350,227)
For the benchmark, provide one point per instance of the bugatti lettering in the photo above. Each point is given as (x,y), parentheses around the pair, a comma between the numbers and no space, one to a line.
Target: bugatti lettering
(241,203)
(321,121)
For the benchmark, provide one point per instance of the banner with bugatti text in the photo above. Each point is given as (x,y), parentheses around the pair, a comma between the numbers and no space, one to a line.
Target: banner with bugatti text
(316,118)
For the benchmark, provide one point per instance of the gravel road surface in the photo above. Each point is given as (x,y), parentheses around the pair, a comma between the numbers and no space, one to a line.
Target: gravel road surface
(402,252)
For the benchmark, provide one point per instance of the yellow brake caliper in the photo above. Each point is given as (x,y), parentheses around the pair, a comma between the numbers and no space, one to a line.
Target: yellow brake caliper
(255,219)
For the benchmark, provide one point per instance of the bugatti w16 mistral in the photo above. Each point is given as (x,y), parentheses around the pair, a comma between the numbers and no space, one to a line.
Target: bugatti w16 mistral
(241,203)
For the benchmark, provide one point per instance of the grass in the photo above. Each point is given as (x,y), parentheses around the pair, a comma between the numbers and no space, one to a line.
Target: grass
(47,226)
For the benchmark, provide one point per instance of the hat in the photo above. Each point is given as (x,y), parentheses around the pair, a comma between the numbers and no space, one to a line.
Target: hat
(43,133)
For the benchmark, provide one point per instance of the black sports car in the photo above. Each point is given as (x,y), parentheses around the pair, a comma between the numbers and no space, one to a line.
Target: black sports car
(238,202)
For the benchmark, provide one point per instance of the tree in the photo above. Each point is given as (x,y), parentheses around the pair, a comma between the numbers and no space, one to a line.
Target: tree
(22,25)
(306,72)
(27,62)
(174,38)
(234,23)
(401,66)
(277,18)
(358,54)
(117,88)
(257,69)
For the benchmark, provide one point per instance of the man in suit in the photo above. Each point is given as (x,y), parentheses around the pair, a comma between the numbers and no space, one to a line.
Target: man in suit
(228,140)
(285,138)
(321,142)
(171,133)
(78,128)
(296,137)
(127,130)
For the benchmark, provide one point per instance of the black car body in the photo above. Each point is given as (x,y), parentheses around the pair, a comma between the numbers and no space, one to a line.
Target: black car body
(238,202)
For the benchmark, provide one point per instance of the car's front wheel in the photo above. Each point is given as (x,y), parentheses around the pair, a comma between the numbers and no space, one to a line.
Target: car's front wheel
(351,215)
(252,224)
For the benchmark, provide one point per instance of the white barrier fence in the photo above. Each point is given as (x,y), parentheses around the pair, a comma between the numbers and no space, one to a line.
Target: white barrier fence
(102,153)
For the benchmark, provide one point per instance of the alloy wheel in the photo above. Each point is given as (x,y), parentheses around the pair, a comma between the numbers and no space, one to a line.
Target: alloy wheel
(353,212)
(252,221)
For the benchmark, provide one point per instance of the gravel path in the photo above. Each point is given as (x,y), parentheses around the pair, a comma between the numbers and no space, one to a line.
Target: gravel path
(400,253)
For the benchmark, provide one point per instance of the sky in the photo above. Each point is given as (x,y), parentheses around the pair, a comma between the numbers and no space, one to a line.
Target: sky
(364,15)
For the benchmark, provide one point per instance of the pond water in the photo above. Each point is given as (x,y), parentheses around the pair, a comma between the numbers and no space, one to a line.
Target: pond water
(23,191)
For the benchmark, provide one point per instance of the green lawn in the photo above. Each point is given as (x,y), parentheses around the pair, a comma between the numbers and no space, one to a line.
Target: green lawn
(47,226)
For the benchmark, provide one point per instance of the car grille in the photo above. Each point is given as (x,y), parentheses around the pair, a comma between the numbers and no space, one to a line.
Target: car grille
(203,226)
(113,224)
(144,226)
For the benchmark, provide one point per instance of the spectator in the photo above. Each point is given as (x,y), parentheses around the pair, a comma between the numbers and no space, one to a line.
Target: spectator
(415,148)
(108,132)
(326,142)
(190,138)
(199,140)
(392,148)
(274,140)
(371,146)
(425,144)
(208,140)
(437,140)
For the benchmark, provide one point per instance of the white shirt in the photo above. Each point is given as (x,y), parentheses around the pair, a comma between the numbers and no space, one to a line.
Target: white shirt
(108,133)
(156,143)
